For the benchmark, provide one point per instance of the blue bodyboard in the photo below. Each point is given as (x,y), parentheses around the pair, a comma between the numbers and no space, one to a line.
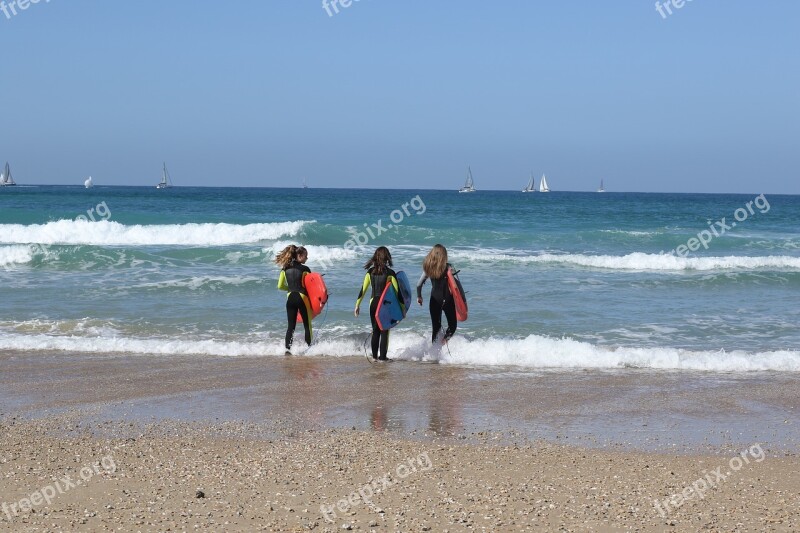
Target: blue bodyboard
(405,290)
(390,312)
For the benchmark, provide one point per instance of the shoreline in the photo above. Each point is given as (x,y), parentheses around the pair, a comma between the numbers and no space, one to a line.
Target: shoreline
(638,410)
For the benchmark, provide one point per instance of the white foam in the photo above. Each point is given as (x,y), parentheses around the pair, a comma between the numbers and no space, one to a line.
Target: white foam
(200,282)
(634,233)
(544,352)
(112,345)
(115,234)
(15,255)
(640,261)
(317,255)
(535,352)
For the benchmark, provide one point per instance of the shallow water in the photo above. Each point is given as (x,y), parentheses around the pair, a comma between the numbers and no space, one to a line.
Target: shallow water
(564,280)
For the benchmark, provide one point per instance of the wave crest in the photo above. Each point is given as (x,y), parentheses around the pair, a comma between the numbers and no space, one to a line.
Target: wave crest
(642,261)
(116,234)
(15,255)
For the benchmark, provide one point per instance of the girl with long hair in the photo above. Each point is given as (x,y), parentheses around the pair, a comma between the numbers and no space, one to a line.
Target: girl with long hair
(293,272)
(379,274)
(435,267)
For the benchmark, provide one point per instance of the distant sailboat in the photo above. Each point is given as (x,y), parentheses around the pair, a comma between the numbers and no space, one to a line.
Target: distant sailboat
(601,189)
(531,187)
(88,183)
(543,185)
(166,181)
(5,178)
(305,185)
(469,185)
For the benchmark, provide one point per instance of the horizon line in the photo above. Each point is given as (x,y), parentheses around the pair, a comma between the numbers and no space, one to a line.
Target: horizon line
(536,193)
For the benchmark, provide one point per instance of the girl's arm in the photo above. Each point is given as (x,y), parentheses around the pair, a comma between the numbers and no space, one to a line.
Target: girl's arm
(282,285)
(420,283)
(362,292)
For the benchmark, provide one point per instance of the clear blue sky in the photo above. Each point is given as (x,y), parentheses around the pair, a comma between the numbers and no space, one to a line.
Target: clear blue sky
(392,93)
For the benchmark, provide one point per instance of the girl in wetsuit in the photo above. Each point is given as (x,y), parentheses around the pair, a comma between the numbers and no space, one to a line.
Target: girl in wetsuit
(435,268)
(293,271)
(379,273)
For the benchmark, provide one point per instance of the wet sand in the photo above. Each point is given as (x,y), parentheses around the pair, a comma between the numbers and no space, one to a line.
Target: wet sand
(268,441)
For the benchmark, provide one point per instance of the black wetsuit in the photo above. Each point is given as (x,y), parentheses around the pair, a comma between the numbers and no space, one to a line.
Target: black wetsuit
(380,339)
(297,301)
(441,300)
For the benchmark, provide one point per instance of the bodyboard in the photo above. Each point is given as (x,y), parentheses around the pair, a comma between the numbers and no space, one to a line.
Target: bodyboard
(405,291)
(389,312)
(317,294)
(459,296)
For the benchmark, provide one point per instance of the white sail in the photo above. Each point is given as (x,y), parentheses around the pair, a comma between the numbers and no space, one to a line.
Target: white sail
(531,187)
(543,185)
(5,177)
(601,189)
(88,183)
(166,181)
(469,185)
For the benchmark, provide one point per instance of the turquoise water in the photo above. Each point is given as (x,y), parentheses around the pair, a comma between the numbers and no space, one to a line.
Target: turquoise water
(575,280)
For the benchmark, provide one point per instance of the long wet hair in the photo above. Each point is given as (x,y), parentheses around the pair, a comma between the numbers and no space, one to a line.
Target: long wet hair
(289,254)
(379,260)
(435,263)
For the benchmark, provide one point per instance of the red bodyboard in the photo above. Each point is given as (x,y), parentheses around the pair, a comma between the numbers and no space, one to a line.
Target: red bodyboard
(458,295)
(317,294)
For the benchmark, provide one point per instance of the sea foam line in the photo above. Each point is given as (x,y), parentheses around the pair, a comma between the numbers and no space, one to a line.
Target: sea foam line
(549,353)
(641,261)
(534,352)
(116,234)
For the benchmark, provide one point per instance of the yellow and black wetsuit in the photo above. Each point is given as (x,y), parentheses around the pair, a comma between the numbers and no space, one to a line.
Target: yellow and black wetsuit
(380,339)
(441,300)
(292,280)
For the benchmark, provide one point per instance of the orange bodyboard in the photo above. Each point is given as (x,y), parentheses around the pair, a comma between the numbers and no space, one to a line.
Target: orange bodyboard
(317,294)
(458,295)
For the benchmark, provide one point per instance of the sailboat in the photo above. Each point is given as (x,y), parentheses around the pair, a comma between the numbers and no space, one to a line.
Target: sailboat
(531,187)
(305,185)
(5,178)
(469,185)
(166,181)
(601,189)
(543,185)
(88,183)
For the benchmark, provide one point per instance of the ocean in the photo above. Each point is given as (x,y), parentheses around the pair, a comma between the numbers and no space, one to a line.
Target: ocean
(563,280)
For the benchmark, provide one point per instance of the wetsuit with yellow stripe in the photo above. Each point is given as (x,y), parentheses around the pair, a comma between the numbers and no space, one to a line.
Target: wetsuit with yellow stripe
(292,279)
(380,339)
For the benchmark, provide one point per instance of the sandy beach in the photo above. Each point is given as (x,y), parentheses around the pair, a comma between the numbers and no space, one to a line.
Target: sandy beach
(326,444)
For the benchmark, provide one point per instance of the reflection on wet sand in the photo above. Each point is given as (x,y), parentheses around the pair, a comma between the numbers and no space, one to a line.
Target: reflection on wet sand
(301,387)
(379,380)
(439,403)
(446,405)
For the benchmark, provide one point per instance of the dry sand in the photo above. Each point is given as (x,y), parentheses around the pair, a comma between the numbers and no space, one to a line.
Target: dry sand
(191,451)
